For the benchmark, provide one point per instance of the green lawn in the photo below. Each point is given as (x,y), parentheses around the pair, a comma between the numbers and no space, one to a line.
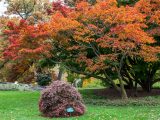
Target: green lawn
(16,105)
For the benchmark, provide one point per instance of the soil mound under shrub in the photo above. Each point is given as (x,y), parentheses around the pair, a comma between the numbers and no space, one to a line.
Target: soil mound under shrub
(60,99)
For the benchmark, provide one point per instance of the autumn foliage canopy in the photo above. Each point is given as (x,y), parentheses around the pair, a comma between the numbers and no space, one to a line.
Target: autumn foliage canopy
(101,26)
(93,37)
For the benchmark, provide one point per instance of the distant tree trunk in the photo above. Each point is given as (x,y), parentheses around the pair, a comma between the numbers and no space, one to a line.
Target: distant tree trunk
(59,77)
(135,89)
(147,86)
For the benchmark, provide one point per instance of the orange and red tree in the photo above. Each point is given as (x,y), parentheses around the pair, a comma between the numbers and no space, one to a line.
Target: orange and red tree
(26,41)
(93,40)
(26,45)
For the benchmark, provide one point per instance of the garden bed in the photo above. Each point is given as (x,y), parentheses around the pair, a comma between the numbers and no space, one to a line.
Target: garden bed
(110,93)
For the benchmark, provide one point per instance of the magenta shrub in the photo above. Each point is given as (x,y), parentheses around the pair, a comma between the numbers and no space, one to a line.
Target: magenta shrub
(58,98)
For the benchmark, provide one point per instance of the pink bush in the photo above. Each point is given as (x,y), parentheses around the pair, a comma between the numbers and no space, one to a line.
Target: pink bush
(59,96)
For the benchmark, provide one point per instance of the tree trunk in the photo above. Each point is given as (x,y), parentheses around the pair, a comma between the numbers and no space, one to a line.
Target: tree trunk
(116,87)
(130,85)
(123,91)
(147,86)
(112,82)
(59,77)
(135,89)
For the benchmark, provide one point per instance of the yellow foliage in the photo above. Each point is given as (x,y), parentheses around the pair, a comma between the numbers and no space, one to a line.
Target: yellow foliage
(86,82)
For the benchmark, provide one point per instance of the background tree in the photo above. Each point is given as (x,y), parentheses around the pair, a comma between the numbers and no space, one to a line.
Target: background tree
(35,9)
(134,69)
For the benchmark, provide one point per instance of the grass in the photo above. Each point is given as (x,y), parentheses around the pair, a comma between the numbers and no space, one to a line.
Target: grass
(15,105)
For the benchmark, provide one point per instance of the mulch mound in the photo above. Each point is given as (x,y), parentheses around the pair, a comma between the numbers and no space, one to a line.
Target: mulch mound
(111,93)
